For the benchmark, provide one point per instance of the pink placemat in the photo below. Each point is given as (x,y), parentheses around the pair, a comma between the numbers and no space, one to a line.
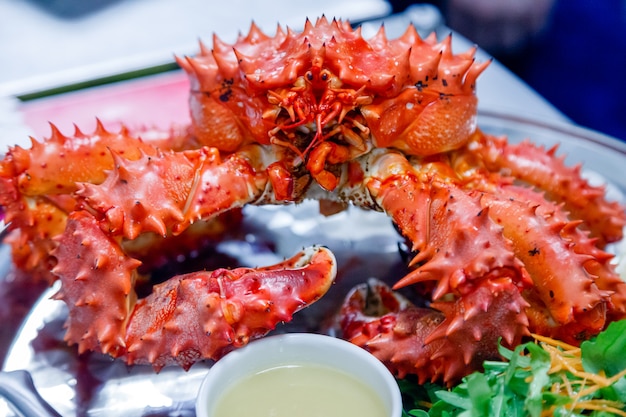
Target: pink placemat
(158,101)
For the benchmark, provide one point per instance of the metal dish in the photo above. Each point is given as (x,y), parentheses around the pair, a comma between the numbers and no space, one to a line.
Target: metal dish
(365,243)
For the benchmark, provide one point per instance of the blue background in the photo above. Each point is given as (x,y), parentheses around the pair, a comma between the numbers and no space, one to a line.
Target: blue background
(578,63)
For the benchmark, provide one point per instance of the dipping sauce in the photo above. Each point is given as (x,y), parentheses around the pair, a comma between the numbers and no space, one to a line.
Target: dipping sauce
(301,390)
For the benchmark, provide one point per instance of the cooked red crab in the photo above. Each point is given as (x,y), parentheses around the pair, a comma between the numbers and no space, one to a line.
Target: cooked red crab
(507,239)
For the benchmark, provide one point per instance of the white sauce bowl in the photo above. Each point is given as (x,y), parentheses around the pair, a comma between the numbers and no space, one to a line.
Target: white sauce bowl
(298,348)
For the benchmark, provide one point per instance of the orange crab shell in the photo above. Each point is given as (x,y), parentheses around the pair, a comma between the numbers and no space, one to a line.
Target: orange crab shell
(414,94)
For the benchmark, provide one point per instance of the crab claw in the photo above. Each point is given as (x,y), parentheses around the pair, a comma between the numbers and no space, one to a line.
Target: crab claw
(206,314)
(201,315)
(374,317)
(432,343)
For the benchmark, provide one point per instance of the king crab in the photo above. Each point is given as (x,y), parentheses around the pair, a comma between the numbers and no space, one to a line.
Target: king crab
(386,125)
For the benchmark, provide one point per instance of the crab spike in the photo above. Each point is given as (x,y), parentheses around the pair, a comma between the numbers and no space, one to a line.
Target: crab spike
(379,40)
(290,33)
(469,54)
(438,333)
(240,37)
(472,311)
(358,31)
(100,129)
(82,276)
(184,63)
(445,46)
(443,288)
(151,222)
(255,34)
(411,36)
(464,67)
(34,143)
(78,133)
(344,26)
(308,26)
(431,38)
(425,71)
(474,71)
(204,50)
(124,131)
(153,355)
(552,150)
(56,135)
(224,61)
(100,262)
(455,325)
(280,33)
(414,277)
(242,60)
(220,46)
(477,334)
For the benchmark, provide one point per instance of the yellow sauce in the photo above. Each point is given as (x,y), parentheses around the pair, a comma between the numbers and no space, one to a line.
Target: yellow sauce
(299,391)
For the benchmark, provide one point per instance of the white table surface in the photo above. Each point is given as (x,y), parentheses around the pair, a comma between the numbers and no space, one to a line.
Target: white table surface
(39,49)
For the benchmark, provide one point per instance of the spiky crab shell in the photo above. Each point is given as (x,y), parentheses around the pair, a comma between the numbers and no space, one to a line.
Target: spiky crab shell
(544,169)
(187,318)
(445,342)
(37,186)
(503,259)
(229,308)
(166,192)
(411,93)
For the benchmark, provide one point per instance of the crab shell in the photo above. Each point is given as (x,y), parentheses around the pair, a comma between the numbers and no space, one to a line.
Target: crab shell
(408,93)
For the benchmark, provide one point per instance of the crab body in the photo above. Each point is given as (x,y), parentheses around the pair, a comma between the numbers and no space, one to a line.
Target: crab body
(387,125)
(328,95)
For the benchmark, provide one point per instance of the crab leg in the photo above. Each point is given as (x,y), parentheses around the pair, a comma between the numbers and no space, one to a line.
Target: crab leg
(456,241)
(206,314)
(401,334)
(36,187)
(477,276)
(187,318)
(541,168)
(169,191)
(492,259)
(190,317)
(551,246)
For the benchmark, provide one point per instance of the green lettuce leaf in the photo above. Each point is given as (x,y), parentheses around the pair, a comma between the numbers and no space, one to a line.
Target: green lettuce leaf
(521,385)
(607,354)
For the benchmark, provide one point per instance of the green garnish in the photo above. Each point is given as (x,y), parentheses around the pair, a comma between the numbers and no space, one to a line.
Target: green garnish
(542,378)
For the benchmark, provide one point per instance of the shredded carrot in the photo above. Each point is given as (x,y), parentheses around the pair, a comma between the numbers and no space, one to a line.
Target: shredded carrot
(553,342)
(566,358)
(607,382)
(425,404)
(601,405)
